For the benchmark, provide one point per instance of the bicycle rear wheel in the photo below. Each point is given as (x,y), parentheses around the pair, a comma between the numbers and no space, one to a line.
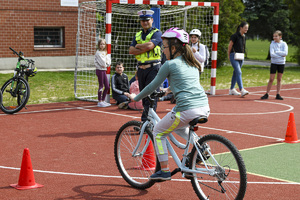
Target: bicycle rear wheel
(0,97)
(229,178)
(15,95)
(135,169)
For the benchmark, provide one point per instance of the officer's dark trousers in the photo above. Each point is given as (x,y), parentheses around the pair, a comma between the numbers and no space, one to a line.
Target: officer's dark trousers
(145,76)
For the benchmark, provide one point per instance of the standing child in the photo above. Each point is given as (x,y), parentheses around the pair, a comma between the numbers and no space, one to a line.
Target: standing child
(200,51)
(102,61)
(181,69)
(278,52)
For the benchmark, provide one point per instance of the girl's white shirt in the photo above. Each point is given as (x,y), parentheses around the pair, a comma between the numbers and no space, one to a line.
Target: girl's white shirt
(102,60)
(200,54)
(278,52)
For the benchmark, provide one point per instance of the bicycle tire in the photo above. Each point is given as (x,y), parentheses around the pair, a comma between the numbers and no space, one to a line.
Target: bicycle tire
(14,102)
(135,170)
(231,180)
(0,97)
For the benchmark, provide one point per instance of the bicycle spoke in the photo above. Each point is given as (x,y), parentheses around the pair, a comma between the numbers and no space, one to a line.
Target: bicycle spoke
(134,169)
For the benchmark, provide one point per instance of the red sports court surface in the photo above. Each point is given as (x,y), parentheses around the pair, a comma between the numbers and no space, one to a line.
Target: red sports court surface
(71,147)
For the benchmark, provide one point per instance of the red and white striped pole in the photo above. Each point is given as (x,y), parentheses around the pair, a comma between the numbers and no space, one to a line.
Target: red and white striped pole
(214,53)
(108,41)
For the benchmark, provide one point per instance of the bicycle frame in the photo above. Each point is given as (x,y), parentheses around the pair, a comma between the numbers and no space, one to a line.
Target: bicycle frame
(153,119)
(19,71)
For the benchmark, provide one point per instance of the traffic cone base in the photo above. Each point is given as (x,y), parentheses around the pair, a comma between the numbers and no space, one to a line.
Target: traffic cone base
(149,158)
(291,132)
(26,178)
(19,187)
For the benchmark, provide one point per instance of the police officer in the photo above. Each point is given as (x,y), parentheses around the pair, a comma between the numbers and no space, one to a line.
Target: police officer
(146,46)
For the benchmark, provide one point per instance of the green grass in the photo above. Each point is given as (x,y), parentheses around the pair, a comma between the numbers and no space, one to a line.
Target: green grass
(258,50)
(279,161)
(47,87)
(255,76)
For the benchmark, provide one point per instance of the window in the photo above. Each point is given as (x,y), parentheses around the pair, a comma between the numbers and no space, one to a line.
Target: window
(49,37)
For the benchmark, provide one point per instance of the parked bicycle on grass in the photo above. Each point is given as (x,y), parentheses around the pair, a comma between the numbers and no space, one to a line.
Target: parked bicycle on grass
(16,91)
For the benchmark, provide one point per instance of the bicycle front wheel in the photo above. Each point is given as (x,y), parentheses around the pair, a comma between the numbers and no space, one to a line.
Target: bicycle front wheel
(135,169)
(15,95)
(227,178)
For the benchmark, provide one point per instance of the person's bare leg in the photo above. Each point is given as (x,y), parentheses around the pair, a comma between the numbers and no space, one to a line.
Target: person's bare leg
(272,77)
(279,77)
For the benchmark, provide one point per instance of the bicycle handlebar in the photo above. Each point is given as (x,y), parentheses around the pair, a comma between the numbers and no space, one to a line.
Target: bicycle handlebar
(14,51)
(151,98)
(28,60)
(157,94)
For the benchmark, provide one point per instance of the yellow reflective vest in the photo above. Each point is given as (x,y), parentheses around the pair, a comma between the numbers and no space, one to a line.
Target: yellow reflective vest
(151,55)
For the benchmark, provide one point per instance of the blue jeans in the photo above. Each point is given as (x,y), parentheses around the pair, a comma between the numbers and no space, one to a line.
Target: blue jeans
(237,72)
(120,98)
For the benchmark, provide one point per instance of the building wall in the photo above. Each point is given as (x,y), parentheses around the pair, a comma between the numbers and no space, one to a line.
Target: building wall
(17,22)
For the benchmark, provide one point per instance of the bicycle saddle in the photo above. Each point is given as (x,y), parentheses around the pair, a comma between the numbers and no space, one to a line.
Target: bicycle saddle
(200,120)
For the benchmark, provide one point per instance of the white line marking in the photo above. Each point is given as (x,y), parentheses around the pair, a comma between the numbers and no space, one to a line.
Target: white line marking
(260,147)
(72,108)
(42,111)
(120,177)
(236,132)
(110,113)
(263,113)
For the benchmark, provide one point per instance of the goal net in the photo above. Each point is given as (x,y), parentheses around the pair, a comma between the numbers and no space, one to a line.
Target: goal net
(119,25)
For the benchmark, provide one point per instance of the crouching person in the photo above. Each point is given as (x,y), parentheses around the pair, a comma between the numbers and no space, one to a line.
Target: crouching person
(120,84)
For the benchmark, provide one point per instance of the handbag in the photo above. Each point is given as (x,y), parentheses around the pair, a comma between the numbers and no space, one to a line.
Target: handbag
(239,56)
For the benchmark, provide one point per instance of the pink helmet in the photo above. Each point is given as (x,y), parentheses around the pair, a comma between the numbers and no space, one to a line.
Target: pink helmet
(178,33)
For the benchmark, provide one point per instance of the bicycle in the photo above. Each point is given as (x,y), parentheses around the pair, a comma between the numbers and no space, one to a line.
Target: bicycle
(16,91)
(214,166)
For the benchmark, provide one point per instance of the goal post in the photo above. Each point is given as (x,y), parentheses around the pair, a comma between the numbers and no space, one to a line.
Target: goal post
(117,21)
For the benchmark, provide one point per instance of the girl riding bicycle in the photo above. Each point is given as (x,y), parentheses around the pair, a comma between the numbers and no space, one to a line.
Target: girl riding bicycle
(182,71)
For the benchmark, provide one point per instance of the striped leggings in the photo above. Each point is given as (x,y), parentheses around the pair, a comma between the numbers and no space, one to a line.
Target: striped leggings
(177,122)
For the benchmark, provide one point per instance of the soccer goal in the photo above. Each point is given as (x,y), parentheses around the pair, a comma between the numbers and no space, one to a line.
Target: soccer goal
(117,21)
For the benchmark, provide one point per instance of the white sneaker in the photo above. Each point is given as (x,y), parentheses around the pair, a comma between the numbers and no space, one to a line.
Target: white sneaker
(234,92)
(101,104)
(123,105)
(108,104)
(244,92)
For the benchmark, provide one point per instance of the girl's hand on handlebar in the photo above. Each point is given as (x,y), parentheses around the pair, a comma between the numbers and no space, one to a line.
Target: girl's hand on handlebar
(131,96)
(166,90)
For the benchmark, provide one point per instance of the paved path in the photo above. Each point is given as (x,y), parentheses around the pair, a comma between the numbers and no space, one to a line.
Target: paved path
(267,63)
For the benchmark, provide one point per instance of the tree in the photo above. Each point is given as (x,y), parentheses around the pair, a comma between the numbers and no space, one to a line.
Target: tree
(294,6)
(229,19)
(267,16)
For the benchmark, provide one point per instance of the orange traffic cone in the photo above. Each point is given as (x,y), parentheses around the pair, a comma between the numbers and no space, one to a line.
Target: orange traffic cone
(149,159)
(26,178)
(291,132)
